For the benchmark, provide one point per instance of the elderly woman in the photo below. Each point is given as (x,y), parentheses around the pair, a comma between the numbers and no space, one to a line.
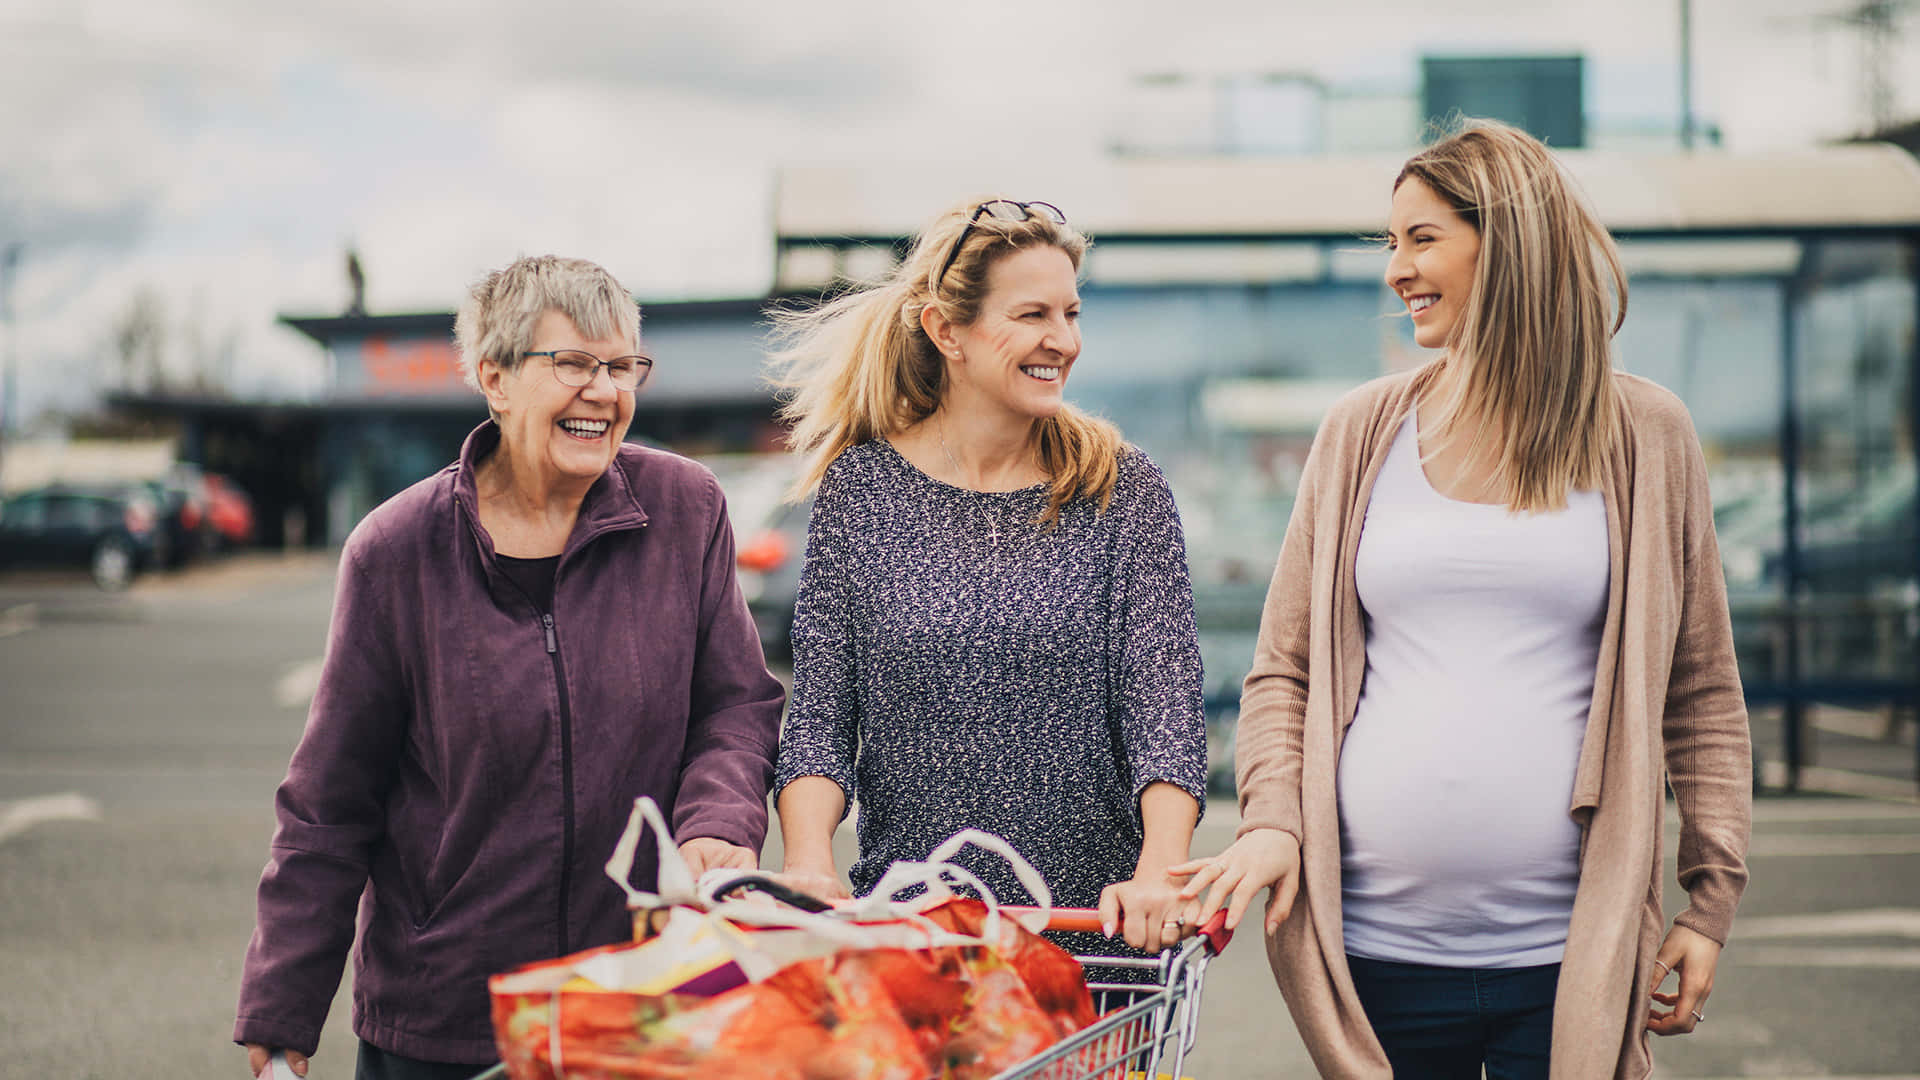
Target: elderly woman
(521,644)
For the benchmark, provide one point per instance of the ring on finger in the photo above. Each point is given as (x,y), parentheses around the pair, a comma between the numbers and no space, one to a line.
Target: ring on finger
(1697,1017)
(1663,966)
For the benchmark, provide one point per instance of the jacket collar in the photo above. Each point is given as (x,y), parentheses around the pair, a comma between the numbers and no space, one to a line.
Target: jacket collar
(610,505)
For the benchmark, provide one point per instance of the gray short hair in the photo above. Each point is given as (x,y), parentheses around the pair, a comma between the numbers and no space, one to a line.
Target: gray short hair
(496,322)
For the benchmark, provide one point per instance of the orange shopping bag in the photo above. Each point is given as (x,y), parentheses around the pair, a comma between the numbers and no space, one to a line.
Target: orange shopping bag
(941,986)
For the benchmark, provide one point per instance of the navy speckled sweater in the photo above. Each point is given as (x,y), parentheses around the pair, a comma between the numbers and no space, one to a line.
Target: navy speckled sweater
(955,665)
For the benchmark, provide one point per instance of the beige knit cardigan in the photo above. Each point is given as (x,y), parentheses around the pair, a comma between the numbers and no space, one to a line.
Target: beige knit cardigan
(1666,687)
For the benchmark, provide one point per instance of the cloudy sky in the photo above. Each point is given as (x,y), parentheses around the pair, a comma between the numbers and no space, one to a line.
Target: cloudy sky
(221,155)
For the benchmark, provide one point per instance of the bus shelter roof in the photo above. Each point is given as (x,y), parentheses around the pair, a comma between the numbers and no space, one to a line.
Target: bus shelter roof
(1872,188)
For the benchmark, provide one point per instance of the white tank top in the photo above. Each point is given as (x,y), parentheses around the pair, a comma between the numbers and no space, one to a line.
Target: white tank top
(1483,633)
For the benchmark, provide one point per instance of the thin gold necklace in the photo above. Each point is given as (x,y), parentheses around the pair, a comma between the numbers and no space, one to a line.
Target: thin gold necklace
(940,430)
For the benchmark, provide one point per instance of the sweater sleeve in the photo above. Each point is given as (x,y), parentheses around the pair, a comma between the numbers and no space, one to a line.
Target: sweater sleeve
(1273,701)
(331,812)
(1708,743)
(1161,717)
(734,709)
(821,736)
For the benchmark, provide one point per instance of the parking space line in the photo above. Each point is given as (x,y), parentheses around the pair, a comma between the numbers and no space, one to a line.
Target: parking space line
(1874,922)
(1780,811)
(297,685)
(19,619)
(22,814)
(1842,782)
(1817,845)
(1823,957)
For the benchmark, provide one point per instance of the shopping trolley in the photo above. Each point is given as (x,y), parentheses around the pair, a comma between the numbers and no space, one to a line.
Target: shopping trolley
(1145,1029)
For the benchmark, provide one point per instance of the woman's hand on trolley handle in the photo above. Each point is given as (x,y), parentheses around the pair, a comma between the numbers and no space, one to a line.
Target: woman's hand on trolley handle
(1261,858)
(1147,910)
(810,809)
(704,853)
(258,1056)
(819,881)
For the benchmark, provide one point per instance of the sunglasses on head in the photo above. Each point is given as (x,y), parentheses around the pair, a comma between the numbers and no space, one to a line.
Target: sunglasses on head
(1003,210)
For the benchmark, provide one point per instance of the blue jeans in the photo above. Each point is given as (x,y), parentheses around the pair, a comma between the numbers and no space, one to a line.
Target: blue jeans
(1446,1023)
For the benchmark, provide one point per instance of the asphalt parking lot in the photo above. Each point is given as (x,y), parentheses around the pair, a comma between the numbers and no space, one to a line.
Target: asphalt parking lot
(142,735)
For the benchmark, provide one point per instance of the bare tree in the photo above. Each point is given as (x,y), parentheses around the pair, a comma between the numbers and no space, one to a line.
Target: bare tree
(139,340)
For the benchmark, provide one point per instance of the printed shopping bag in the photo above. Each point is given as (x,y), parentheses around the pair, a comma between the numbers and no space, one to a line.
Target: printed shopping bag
(938,986)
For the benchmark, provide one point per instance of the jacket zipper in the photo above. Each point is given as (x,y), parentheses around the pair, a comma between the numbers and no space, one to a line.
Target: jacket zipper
(566,731)
(566,778)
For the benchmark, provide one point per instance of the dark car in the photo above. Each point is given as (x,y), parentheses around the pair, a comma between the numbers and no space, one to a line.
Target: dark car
(113,533)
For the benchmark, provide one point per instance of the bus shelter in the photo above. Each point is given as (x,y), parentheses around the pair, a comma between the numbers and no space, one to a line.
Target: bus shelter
(1228,302)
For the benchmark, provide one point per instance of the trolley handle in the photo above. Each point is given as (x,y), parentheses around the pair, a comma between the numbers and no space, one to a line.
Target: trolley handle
(1214,930)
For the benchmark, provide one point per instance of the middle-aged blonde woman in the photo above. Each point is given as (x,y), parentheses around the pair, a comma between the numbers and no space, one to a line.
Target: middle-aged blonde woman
(1497,631)
(994,627)
(522,644)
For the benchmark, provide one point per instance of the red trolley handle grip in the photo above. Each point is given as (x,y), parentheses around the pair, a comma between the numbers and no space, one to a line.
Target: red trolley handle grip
(1088,920)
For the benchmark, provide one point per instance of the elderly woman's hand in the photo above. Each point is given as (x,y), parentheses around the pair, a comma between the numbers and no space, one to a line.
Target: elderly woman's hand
(704,853)
(258,1056)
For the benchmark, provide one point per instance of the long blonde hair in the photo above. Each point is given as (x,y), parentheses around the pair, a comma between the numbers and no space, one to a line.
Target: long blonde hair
(860,367)
(1532,352)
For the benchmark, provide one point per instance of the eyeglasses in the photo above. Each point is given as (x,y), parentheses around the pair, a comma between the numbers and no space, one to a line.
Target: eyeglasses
(1001,210)
(577,369)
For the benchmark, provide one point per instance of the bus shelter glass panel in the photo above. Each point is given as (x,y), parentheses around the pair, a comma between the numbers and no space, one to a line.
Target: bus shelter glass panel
(1856,582)
(373,457)
(1716,344)
(1224,386)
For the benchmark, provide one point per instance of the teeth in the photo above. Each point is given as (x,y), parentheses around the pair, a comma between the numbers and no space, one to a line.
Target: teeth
(589,428)
(1045,374)
(1422,303)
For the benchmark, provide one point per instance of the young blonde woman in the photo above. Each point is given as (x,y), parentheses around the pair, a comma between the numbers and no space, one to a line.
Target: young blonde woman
(1498,630)
(994,627)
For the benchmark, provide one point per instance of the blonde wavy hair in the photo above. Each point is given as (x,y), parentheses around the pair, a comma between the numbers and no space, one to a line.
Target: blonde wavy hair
(1532,352)
(859,367)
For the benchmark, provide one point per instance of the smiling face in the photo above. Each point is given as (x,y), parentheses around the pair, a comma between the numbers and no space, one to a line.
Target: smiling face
(559,435)
(1016,353)
(1435,253)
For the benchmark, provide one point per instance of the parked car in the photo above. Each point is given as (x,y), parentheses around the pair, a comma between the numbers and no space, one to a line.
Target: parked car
(229,510)
(114,533)
(186,478)
(770,539)
(183,524)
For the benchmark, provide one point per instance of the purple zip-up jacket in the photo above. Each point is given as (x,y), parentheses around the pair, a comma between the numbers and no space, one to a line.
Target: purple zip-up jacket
(467,766)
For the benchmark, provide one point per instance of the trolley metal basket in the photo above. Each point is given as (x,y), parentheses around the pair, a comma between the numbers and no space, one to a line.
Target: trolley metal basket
(1146,1029)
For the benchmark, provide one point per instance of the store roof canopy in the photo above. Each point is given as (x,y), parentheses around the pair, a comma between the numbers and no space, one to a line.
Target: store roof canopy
(1870,187)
